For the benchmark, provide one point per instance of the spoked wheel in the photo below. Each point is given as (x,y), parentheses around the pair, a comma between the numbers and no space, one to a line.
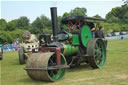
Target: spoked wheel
(21,56)
(41,66)
(56,74)
(96,53)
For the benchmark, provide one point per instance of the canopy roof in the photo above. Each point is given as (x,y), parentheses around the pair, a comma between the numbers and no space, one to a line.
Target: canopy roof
(81,18)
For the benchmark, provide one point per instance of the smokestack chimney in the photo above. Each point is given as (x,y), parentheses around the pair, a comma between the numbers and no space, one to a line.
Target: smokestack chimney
(54,22)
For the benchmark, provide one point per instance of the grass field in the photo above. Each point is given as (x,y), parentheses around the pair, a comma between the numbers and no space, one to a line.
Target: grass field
(115,71)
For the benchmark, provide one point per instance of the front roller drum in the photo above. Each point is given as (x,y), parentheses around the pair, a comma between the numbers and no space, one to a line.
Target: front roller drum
(43,66)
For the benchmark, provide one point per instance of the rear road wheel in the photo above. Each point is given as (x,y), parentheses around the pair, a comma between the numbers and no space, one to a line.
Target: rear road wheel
(96,51)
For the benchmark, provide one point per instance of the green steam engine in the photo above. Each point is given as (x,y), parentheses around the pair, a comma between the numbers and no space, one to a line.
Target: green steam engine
(67,49)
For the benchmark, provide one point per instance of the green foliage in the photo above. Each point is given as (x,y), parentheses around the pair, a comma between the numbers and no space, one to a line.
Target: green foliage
(78,12)
(97,16)
(125,18)
(114,19)
(125,1)
(3,24)
(5,37)
(114,27)
(118,14)
(39,24)
(124,27)
(111,27)
(47,30)
(9,36)
(11,25)
(59,18)
(17,34)
(22,23)
(66,14)
(10,31)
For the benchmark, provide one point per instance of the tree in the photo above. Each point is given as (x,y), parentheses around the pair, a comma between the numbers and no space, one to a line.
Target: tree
(78,12)
(22,23)
(116,27)
(124,27)
(118,14)
(125,1)
(125,18)
(5,37)
(66,14)
(17,34)
(75,12)
(59,18)
(39,24)
(3,24)
(97,16)
(114,19)
(11,25)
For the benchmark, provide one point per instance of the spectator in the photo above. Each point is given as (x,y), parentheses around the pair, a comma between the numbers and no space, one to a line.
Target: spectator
(92,27)
(122,37)
(100,34)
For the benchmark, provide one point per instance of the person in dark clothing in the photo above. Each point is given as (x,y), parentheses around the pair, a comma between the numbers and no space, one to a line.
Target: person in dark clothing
(99,34)
(92,27)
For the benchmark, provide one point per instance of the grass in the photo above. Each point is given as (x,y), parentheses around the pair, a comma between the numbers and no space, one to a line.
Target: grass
(115,71)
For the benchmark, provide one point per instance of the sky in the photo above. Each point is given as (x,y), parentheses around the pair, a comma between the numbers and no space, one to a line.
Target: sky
(14,9)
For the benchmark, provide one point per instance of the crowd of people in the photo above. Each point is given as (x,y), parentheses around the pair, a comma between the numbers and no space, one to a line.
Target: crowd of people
(10,47)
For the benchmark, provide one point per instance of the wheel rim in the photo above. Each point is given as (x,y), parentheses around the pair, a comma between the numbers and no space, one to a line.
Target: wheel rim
(100,53)
(85,35)
(21,56)
(56,74)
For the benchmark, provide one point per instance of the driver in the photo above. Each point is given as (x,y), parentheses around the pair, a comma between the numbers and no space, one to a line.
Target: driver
(92,27)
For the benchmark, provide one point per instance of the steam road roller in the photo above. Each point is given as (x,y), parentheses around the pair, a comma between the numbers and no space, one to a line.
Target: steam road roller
(67,48)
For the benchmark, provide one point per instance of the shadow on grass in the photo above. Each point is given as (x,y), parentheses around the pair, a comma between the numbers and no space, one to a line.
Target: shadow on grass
(83,67)
(29,81)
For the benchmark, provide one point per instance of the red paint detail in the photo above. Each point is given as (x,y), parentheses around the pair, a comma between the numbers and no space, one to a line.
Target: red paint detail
(72,26)
(52,38)
(58,58)
(53,49)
